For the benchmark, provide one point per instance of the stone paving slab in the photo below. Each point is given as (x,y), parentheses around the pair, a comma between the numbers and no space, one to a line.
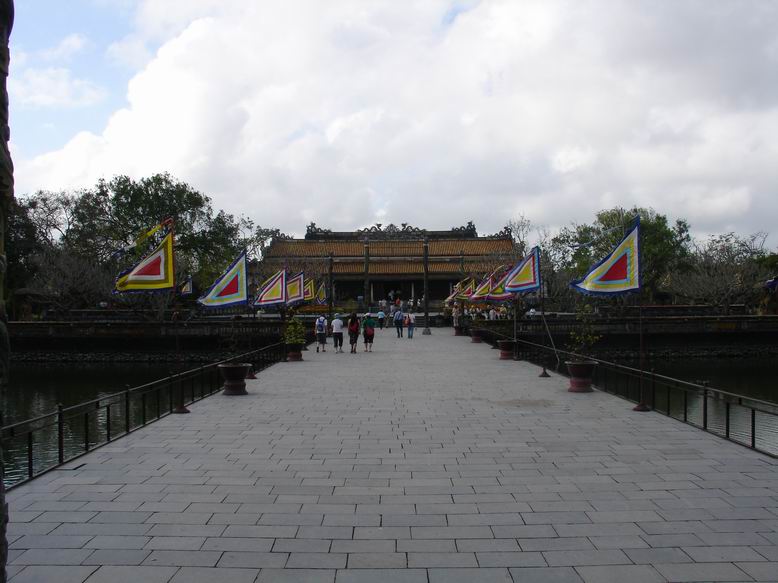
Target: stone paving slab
(427,460)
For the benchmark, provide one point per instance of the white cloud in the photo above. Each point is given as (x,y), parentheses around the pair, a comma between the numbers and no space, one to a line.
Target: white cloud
(53,87)
(68,47)
(350,112)
(132,51)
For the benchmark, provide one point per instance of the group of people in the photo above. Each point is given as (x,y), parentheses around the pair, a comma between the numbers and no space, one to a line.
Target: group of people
(476,313)
(356,326)
(395,302)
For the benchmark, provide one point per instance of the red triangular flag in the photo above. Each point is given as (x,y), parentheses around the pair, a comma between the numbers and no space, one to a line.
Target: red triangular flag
(152,268)
(230,289)
(617,271)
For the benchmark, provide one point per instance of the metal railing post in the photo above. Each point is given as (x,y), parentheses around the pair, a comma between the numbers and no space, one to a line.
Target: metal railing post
(108,422)
(653,389)
(181,408)
(753,428)
(60,434)
(127,420)
(86,431)
(705,409)
(29,454)
(726,421)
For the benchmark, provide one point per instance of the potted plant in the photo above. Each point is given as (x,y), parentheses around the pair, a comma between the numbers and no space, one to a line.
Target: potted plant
(506,349)
(234,373)
(582,338)
(294,338)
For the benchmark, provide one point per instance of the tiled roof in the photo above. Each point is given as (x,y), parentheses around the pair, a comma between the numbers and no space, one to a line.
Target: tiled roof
(455,247)
(438,248)
(411,267)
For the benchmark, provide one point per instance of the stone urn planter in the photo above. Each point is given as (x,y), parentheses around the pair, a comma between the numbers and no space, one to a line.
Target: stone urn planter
(506,349)
(581,374)
(458,331)
(294,352)
(234,375)
(475,336)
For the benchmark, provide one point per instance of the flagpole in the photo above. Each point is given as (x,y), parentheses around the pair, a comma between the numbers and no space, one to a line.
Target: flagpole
(544,373)
(641,406)
(515,316)
(180,408)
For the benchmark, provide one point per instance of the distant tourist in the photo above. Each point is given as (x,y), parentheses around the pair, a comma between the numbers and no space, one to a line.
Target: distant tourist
(368,331)
(337,333)
(398,322)
(320,327)
(353,331)
(381,319)
(455,316)
(492,314)
(410,323)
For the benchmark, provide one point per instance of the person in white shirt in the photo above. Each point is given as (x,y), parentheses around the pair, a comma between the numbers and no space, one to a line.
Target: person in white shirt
(492,314)
(410,323)
(337,333)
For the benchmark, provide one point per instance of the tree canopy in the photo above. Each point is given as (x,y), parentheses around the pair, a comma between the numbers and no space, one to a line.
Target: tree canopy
(72,245)
(84,233)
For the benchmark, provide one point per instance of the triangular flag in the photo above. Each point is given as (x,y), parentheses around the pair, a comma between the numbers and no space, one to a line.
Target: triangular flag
(153,273)
(321,295)
(482,290)
(230,288)
(186,288)
(525,277)
(295,291)
(619,272)
(498,293)
(466,290)
(453,296)
(273,291)
(309,290)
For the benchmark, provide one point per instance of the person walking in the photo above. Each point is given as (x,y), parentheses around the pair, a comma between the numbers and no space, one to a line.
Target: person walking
(410,323)
(337,333)
(398,322)
(353,331)
(320,328)
(381,318)
(368,331)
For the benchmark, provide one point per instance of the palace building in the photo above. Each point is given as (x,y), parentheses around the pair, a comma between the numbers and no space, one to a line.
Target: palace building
(381,260)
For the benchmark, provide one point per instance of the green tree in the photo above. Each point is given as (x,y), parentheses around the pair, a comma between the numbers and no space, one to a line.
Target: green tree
(664,247)
(113,214)
(92,232)
(23,245)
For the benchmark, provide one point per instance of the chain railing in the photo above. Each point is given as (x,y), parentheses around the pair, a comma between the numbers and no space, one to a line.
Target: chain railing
(737,418)
(36,446)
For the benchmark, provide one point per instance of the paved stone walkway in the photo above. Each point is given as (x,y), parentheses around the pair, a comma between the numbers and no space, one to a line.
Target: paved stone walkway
(427,461)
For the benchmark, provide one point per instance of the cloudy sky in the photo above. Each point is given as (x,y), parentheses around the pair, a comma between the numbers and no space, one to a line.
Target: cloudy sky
(435,112)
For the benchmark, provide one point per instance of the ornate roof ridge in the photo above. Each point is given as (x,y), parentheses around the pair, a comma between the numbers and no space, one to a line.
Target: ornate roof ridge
(381,232)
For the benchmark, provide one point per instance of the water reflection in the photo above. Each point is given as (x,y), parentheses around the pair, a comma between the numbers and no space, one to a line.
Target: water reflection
(741,419)
(37,389)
